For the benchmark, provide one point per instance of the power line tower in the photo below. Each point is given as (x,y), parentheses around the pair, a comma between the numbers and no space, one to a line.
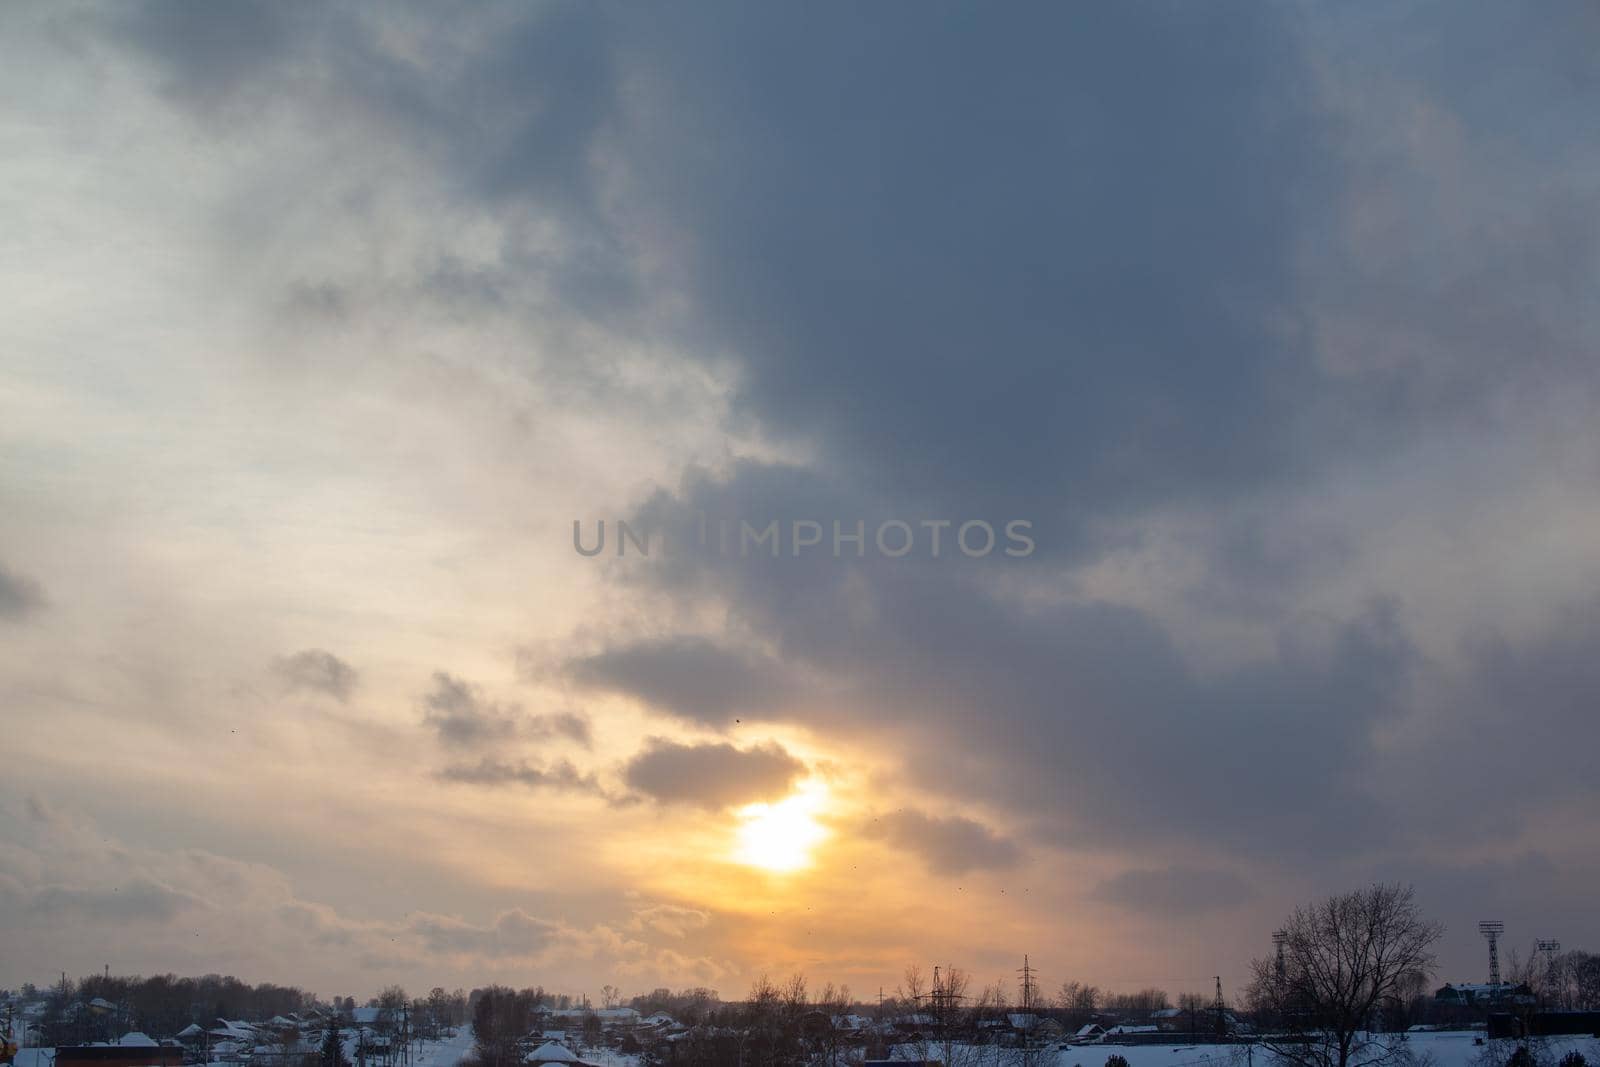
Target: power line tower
(1025,979)
(1491,931)
(945,1000)
(1030,997)
(1221,1010)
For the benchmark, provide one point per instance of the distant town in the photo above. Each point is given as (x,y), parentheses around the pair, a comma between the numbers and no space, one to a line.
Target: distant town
(1346,985)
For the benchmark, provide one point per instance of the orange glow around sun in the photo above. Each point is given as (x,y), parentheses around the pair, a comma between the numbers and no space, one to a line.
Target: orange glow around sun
(779,837)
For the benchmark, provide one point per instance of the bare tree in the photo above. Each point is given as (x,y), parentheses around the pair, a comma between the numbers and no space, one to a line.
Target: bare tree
(1193,1006)
(1078,1001)
(1137,1005)
(913,987)
(1345,960)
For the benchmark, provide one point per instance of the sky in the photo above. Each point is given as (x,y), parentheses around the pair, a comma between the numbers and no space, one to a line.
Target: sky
(1274,327)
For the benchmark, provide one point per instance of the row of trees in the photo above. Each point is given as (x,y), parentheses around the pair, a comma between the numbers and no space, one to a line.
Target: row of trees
(1569,981)
(160,1005)
(164,1004)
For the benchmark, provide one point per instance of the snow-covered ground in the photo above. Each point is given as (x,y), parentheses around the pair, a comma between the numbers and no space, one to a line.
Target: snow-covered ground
(1450,1049)
(446,1053)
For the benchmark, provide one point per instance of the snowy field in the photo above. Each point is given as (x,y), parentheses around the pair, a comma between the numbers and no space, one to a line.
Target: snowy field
(1455,1049)
(446,1053)
(1451,1049)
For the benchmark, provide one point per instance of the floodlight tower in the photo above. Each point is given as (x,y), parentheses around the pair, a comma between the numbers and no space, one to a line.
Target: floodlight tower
(1279,939)
(1548,947)
(1491,932)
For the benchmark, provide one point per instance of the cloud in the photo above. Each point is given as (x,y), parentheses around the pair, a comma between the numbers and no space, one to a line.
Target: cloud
(141,899)
(950,844)
(462,717)
(20,596)
(1176,286)
(712,775)
(936,653)
(688,676)
(67,885)
(674,920)
(561,775)
(208,57)
(317,671)
(513,933)
(563,724)
(1175,890)
(1075,340)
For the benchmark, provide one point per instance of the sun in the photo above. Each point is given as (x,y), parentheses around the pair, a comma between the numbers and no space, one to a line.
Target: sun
(779,837)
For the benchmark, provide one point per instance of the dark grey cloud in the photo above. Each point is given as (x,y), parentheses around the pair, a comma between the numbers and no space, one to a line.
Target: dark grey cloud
(561,775)
(206,55)
(691,677)
(949,844)
(1260,564)
(1522,713)
(317,671)
(1023,273)
(712,775)
(463,717)
(1026,274)
(1071,705)
(20,596)
(1175,890)
(460,714)
(140,899)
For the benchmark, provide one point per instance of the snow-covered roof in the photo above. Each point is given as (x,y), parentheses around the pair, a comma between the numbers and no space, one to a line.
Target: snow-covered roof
(1090,1030)
(135,1039)
(552,1052)
(1022,1020)
(192,1030)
